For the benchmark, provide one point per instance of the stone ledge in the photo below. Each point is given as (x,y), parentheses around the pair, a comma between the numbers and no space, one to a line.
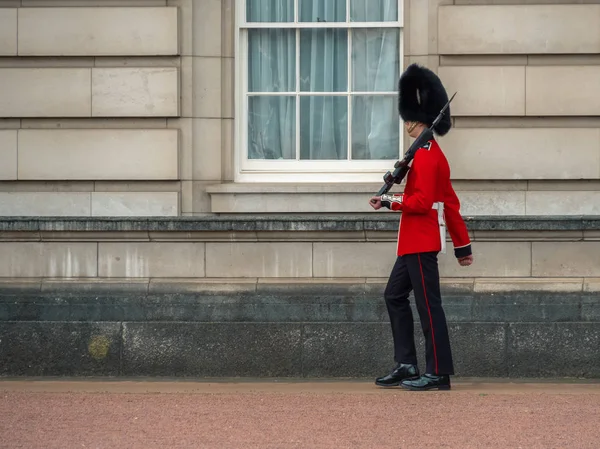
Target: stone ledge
(287,286)
(384,221)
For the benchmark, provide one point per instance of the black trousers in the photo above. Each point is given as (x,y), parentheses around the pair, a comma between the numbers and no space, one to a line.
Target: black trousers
(418,273)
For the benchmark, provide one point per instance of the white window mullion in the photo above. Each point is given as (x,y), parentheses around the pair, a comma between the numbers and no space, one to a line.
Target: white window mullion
(296,12)
(349,98)
(297,91)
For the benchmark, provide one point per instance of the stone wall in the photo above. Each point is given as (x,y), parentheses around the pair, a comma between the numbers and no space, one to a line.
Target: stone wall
(104,115)
(286,297)
(113,108)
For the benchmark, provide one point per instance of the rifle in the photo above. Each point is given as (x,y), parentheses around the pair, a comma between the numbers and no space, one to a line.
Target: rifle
(401,166)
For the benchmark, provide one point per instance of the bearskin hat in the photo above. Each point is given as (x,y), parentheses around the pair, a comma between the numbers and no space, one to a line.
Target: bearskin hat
(421,98)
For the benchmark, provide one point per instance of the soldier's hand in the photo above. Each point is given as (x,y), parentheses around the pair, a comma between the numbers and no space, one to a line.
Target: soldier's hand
(466,261)
(375,202)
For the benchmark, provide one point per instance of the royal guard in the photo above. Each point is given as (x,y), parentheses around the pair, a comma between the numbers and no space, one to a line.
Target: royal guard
(427,207)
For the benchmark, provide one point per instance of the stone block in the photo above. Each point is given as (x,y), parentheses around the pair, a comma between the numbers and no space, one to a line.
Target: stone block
(523,153)
(483,60)
(8,155)
(207,149)
(186,24)
(151,259)
(562,285)
(566,259)
(187,87)
(563,91)
(94,123)
(98,154)
(228,88)
(135,204)
(60,349)
(8,31)
(528,305)
(227,148)
(137,186)
(248,259)
(418,27)
(229,31)
(478,349)
(475,98)
(563,203)
(353,259)
(43,204)
(268,202)
(184,127)
(553,349)
(199,200)
(519,29)
(207,37)
(48,259)
(491,203)
(47,92)
(212,349)
(491,259)
(109,31)
(347,349)
(207,82)
(135,92)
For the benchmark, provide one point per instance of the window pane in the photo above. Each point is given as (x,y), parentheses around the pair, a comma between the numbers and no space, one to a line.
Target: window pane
(375,128)
(323,128)
(322,10)
(323,60)
(271,127)
(269,10)
(271,60)
(375,60)
(374,10)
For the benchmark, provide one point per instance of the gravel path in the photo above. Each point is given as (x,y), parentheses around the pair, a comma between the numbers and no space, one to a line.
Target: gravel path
(63,414)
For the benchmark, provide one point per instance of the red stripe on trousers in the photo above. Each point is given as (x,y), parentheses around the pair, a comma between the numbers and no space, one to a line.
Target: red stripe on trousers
(430,319)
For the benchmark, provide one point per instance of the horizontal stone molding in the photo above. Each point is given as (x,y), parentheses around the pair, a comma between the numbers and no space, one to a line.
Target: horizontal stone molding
(215,286)
(88,204)
(95,31)
(292,247)
(98,154)
(89,92)
(8,31)
(518,29)
(381,222)
(523,153)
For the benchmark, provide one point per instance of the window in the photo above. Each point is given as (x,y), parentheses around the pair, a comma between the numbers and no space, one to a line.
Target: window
(317,89)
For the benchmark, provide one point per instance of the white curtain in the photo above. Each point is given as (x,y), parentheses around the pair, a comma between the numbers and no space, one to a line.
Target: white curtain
(323,68)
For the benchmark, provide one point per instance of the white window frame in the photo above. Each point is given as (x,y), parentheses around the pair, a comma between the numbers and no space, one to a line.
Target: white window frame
(265,171)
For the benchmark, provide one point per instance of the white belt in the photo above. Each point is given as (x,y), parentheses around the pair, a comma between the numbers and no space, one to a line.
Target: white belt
(442,224)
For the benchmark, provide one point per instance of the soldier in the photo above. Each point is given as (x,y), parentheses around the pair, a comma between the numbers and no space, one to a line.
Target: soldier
(427,206)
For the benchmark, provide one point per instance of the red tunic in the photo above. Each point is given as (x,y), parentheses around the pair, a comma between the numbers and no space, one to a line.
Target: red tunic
(428,182)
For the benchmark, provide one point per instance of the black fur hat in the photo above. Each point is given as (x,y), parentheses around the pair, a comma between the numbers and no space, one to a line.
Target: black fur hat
(421,98)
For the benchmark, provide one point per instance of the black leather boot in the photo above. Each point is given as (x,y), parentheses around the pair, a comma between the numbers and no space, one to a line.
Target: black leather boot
(398,374)
(427,382)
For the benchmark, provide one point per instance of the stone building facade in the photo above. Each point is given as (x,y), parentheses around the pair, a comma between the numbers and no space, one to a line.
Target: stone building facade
(158,146)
